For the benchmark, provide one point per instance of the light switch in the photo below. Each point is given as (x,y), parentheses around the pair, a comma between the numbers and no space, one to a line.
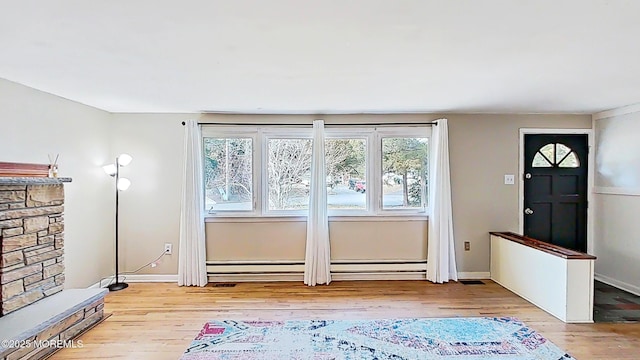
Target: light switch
(509,179)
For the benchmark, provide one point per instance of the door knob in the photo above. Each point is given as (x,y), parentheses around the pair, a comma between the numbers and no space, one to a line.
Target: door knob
(528,211)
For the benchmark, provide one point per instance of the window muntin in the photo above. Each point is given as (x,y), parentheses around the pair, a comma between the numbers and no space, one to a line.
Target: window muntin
(561,152)
(228,173)
(404,172)
(555,155)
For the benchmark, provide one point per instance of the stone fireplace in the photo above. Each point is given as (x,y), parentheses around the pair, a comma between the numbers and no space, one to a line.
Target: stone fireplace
(32,244)
(37,315)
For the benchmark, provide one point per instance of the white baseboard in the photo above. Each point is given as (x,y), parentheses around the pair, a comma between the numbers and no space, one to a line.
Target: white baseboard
(94,286)
(103,283)
(474,275)
(619,284)
(266,277)
(147,278)
(138,278)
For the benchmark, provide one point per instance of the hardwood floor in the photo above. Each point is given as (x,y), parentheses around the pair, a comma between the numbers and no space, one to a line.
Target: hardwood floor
(158,321)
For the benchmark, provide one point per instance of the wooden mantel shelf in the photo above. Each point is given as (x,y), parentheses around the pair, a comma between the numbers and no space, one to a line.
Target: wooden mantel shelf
(33,180)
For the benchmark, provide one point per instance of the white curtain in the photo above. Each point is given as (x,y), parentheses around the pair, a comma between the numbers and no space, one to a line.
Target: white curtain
(441,256)
(317,262)
(192,270)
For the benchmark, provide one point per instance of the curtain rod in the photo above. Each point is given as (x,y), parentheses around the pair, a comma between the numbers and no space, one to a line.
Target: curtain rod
(431,123)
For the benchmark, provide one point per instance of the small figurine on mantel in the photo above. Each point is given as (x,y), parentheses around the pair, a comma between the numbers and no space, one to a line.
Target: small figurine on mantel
(53,165)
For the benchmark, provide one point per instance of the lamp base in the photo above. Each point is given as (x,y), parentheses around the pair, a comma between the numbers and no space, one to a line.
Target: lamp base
(118,286)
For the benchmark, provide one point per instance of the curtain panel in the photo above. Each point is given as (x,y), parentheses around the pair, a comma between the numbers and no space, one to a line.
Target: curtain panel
(317,262)
(192,269)
(441,255)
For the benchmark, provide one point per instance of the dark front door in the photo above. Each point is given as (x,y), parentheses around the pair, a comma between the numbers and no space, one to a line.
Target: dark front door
(555,189)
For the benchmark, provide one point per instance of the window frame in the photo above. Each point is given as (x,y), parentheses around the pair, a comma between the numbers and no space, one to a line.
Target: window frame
(277,133)
(367,134)
(231,132)
(402,132)
(372,135)
(556,162)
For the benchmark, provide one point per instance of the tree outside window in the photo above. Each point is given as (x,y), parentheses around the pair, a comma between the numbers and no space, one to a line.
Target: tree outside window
(404,169)
(228,174)
(289,172)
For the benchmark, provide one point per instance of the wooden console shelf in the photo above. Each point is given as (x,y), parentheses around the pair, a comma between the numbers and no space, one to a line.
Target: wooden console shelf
(543,246)
(557,280)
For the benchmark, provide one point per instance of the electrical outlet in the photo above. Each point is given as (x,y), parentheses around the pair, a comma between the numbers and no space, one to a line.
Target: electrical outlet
(467,246)
(509,179)
(168,248)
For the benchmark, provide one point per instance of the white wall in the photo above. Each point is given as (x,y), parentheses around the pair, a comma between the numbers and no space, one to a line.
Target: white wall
(617,229)
(483,149)
(35,124)
(390,239)
(150,208)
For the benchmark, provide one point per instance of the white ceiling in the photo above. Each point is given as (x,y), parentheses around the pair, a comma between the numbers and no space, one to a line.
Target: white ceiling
(327,56)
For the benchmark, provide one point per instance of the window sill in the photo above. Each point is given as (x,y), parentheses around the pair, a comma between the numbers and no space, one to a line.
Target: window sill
(297,218)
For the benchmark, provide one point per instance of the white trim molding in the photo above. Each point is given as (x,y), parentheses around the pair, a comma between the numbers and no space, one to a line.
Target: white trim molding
(616,112)
(94,286)
(350,218)
(266,277)
(618,284)
(138,278)
(152,278)
(474,275)
(608,190)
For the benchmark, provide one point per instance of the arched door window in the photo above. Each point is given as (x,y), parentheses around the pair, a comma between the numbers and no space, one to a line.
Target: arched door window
(555,155)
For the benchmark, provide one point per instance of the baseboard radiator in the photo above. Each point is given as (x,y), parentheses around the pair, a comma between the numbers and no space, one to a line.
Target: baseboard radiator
(294,270)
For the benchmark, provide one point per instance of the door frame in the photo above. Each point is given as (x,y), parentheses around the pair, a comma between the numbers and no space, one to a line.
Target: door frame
(590,176)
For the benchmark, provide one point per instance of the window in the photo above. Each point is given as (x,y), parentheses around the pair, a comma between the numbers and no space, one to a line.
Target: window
(404,172)
(555,155)
(346,173)
(228,173)
(253,171)
(289,173)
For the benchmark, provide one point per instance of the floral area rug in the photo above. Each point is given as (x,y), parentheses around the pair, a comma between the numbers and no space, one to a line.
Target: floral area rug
(397,339)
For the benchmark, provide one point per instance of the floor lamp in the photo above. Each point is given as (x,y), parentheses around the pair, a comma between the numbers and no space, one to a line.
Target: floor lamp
(121,185)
